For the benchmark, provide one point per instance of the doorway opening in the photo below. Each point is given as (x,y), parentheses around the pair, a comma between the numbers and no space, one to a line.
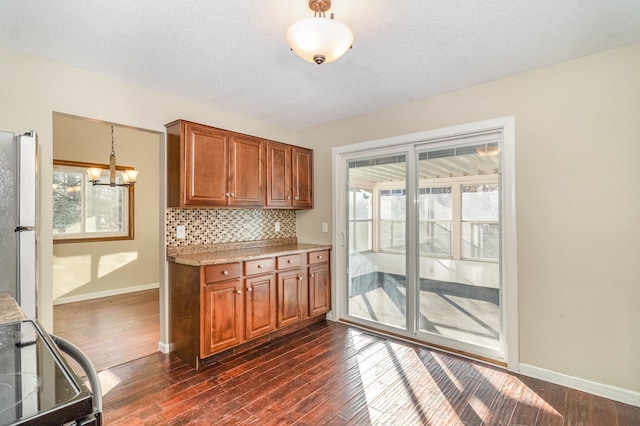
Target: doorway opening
(105,284)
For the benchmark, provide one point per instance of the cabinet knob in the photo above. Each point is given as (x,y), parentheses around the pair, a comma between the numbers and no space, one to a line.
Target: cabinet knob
(313,275)
(320,257)
(238,292)
(300,278)
(226,194)
(288,197)
(233,194)
(259,266)
(289,261)
(249,289)
(296,198)
(225,272)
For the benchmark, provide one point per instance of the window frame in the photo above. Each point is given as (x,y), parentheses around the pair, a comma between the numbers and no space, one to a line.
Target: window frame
(353,189)
(456,185)
(129,216)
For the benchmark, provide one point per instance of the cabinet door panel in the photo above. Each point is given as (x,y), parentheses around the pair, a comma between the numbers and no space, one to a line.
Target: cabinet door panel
(278,175)
(246,175)
(302,177)
(319,289)
(260,305)
(222,316)
(206,166)
(289,296)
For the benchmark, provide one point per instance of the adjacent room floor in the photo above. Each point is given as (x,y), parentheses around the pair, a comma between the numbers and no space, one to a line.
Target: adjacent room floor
(457,311)
(111,330)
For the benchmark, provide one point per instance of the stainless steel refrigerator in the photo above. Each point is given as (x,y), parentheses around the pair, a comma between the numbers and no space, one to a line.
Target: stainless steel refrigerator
(18,160)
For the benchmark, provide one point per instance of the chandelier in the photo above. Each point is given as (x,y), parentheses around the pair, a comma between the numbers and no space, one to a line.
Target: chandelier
(318,39)
(128,176)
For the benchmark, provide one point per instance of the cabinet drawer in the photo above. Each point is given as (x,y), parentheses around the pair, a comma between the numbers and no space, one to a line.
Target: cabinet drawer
(289,261)
(215,273)
(320,256)
(259,266)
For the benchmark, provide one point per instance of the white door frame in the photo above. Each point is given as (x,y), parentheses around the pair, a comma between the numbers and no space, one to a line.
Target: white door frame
(509,265)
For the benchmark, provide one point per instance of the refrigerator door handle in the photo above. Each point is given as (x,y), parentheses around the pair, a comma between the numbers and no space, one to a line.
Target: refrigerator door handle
(27,160)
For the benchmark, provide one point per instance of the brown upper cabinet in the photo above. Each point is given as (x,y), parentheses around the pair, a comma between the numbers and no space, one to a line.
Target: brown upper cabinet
(289,176)
(213,167)
(210,167)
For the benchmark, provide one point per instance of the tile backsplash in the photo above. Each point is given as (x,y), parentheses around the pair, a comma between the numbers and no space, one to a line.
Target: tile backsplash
(213,226)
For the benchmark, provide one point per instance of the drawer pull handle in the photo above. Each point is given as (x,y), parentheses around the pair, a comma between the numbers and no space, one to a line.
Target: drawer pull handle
(259,266)
(320,257)
(289,261)
(225,272)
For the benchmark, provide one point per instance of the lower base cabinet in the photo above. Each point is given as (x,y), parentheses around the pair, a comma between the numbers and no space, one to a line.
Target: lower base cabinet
(290,297)
(319,283)
(260,305)
(219,307)
(222,317)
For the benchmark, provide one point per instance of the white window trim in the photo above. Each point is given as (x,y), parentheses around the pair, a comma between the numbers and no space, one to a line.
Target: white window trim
(434,139)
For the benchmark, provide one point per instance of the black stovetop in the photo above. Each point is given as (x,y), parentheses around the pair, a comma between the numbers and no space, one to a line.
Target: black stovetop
(37,386)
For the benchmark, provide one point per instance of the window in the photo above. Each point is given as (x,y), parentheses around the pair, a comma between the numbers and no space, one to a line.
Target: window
(436,219)
(360,220)
(83,212)
(392,220)
(480,222)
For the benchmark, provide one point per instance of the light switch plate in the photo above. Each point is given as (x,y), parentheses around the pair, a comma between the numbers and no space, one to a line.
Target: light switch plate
(180,231)
(325,227)
(277,226)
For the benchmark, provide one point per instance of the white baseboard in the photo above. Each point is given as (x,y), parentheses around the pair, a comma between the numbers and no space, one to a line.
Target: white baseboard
(106,293)
(625,396)
(165,348)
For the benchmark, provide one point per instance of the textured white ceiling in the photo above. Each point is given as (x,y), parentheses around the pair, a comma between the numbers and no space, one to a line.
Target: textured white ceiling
(233,53)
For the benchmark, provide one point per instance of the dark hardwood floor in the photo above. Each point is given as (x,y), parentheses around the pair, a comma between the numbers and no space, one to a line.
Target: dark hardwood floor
(111,330)
(334,374)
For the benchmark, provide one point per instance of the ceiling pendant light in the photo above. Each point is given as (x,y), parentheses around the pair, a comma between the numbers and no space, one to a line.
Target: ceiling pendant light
(319,39)
(128,176)
(488,150)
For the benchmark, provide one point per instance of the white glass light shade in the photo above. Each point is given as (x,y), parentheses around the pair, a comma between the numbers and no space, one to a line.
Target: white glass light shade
(129,176)
(94,174)
(312,37)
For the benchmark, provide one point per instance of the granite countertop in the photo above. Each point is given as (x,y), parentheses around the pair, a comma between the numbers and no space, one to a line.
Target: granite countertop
(9,309)
(227,253)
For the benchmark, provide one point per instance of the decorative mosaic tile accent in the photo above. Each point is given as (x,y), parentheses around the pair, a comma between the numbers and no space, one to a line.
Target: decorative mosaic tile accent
(214,226)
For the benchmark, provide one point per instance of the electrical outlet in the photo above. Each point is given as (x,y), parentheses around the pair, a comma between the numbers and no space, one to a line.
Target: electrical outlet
(180,231)
(277,226)
(325,227)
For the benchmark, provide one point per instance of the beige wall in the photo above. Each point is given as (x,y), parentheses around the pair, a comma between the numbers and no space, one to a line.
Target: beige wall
(33,88)
(578,141)
(93,269)
(578,203)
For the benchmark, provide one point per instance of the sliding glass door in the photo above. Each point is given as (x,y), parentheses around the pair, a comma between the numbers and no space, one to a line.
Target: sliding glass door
(423,245)
(459,252)
(377,240)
